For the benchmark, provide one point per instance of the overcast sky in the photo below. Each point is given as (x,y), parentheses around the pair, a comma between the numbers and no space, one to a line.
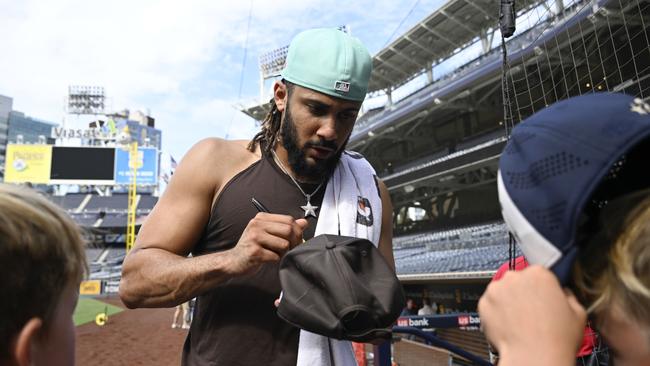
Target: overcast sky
(181,60)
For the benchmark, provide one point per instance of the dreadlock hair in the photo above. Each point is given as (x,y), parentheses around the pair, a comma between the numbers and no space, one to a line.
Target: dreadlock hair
(268,135)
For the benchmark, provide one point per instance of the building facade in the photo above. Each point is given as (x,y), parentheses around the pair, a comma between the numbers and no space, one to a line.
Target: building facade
(27,130)
(145,135)
(6,104)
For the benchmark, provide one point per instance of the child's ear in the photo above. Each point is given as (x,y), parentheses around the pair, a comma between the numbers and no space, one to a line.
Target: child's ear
(25,342)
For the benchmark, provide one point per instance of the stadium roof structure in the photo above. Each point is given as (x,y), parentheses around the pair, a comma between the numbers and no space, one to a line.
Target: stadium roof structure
(452,28)
(476,73)
(455,26)
(413,173)
(256,112)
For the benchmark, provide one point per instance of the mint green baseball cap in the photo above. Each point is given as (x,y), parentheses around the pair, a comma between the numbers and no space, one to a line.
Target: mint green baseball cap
(329,61)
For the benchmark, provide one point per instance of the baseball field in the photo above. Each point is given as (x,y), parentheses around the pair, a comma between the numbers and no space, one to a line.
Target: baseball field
(129,337)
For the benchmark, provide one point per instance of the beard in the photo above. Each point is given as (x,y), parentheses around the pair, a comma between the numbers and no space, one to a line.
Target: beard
(322,169)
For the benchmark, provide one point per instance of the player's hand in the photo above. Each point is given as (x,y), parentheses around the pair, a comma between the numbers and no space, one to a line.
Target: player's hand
(266,238)
(531,320)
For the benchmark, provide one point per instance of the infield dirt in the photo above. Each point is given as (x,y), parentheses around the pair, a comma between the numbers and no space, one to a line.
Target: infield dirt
(132,337)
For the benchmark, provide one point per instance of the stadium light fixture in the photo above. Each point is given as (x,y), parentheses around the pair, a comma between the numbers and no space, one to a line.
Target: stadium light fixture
(86,100)
(272,62)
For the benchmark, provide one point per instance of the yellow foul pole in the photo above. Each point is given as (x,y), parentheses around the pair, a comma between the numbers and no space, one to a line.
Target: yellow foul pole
(134,164)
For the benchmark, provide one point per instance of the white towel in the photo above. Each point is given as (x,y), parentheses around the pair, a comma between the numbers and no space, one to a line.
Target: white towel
(351,207)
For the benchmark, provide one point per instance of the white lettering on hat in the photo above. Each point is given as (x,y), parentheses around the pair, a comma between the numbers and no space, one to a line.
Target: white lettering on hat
(342,86)
(639,106)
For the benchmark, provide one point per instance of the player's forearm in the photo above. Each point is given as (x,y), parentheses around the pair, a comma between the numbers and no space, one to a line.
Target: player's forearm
(155,278)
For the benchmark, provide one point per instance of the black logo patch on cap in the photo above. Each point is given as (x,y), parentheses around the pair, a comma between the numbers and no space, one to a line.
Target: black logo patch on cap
(342,86)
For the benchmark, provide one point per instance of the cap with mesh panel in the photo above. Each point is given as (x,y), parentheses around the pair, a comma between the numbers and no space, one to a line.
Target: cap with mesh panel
(565,161)
(329,61)
(340,287)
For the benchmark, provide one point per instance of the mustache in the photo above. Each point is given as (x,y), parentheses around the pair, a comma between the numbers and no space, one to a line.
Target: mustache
(322,144)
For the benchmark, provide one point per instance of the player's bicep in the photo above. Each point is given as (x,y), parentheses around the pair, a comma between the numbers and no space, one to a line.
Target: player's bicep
(179,217)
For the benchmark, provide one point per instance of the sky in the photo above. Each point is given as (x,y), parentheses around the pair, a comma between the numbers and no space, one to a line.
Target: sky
(180,60)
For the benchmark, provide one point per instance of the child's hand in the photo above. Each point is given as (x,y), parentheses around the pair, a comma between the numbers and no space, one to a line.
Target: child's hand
(531,320)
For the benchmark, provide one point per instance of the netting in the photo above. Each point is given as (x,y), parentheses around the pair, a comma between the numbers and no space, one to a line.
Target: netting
(578,47)
(571,48)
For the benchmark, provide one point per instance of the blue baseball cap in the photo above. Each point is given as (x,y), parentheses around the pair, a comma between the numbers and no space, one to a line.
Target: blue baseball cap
(559,161)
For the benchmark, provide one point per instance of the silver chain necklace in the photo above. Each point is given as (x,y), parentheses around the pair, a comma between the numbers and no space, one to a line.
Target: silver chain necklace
(308,208)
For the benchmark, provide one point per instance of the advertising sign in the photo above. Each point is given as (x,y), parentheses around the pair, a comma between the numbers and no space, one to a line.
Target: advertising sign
(147,166)
(90,287)
(28,163)
(467,321)
(99,130)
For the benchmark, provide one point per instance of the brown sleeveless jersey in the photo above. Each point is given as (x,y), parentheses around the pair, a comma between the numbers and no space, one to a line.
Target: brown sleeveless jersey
(236,323)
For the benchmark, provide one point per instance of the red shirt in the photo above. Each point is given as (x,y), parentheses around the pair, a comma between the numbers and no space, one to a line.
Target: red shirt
(588,341)
(520,263)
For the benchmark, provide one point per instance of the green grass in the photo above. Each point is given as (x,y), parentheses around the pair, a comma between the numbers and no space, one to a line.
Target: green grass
(87,309)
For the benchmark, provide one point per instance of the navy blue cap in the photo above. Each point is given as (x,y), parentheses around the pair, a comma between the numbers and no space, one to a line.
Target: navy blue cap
(552,164)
